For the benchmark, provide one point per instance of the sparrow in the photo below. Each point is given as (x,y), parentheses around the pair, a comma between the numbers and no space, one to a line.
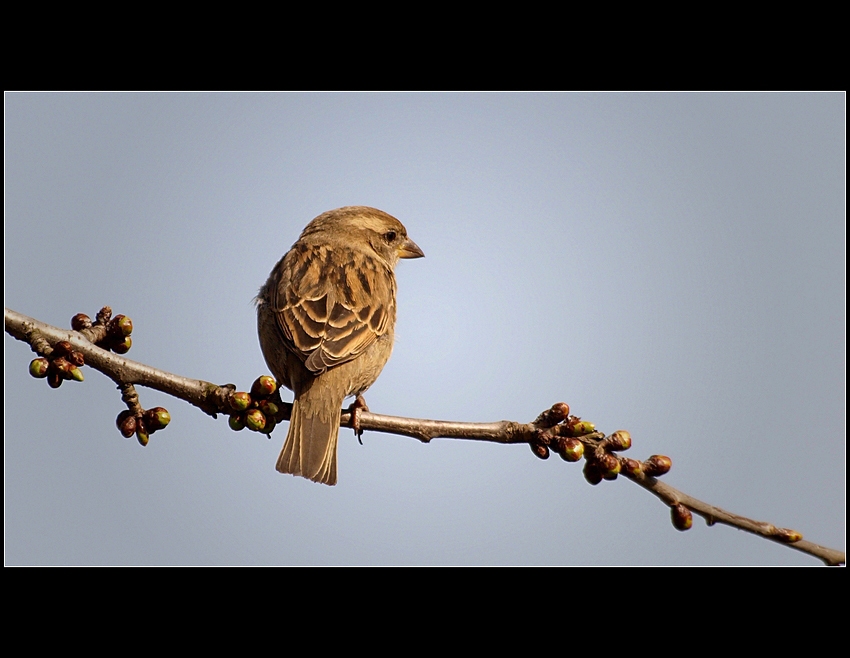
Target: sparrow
(326,320)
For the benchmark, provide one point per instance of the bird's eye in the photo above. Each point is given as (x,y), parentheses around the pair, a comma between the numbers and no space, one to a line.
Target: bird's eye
(389,236)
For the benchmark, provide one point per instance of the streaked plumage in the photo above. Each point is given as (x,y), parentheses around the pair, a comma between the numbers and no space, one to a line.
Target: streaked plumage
(326,320)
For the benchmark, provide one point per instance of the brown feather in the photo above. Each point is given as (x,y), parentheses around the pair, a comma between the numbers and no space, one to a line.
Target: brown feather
(326,318)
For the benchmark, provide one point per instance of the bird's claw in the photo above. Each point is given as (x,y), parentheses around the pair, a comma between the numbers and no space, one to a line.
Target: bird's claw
(359,405)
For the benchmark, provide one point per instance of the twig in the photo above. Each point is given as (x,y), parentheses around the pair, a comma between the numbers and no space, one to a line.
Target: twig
(213,399)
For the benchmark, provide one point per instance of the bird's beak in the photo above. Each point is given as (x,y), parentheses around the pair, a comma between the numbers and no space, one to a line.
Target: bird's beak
(408,249)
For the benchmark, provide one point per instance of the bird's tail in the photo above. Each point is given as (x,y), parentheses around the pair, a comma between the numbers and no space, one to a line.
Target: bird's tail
(310,446)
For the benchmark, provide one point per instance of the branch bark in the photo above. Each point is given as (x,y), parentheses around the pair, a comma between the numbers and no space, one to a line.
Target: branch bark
(213,399)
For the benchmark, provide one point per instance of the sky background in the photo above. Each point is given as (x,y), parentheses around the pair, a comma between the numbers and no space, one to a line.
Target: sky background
(669,264)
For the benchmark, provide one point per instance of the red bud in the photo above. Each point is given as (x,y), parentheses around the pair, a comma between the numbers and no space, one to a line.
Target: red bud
(122,346)
(681,517)
(619,440)
(630,467)
(80,321)
(657,465)
(62,348)
(591,473)
(263,386)
(157,419)
(539,450)
(126,423)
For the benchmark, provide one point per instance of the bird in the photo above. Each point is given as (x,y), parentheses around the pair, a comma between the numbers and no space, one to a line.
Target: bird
(326,323)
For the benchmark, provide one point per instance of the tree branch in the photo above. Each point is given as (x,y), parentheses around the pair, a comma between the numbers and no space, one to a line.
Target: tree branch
(553,429)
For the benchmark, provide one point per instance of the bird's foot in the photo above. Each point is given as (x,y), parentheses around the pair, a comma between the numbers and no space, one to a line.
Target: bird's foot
(359,405)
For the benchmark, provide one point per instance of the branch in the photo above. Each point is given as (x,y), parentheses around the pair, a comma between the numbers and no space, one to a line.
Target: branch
(554,429)
(209,398)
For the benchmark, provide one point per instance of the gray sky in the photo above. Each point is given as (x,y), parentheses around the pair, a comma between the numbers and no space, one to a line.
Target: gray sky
(669,264)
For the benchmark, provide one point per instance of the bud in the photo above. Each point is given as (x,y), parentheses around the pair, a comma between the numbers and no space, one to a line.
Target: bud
(126,423)
(240,401)
(80,321)
(54,379)
(142,432)
(236,422)
(62,348)
(591,473)
(560,410)
(578,427)
(120,326)
(77,359)
(122,346)
(657,465)
(66,369)
(787,535)
(681,517)
(157,419)
(255,420)
(271,423)
(619,440)
(539,450)
(630,467)
(270,409)
(553,416)
(263,386)
(571,450)
(609,466)
(584,427)
(38,367)
(62,366)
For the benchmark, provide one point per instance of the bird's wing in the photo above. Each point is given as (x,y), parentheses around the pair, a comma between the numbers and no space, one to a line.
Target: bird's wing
(331,304)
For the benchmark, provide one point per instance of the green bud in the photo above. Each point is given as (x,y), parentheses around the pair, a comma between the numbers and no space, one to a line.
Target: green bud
(578,427)
(255,420)
(142,432)
(240,401)
(270,409)
(572,450)
(39,367)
